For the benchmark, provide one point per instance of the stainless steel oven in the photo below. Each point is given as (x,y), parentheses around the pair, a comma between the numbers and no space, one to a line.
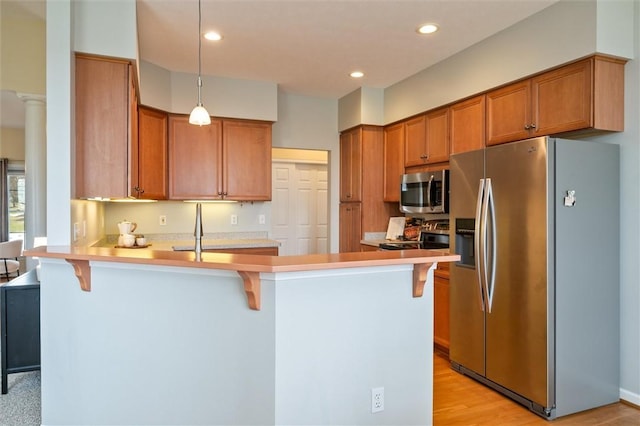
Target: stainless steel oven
(433,236)
(426,192)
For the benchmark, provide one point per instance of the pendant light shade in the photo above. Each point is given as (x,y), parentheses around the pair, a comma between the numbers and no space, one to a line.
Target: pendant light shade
(199,115)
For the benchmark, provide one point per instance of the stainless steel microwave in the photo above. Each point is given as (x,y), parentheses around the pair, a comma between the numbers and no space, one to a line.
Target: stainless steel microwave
(426,192)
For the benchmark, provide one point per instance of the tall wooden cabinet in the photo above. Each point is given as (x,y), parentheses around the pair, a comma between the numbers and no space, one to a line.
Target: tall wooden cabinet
(229,159)
(351,166)
(393,161)
(106,127)
(150,180)
(362,208)
(584,95)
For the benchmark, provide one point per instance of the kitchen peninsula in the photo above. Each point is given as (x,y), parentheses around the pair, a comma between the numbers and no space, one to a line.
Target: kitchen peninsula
(162,337)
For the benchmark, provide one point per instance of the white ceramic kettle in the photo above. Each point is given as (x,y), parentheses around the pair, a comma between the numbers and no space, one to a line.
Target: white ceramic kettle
(127,227)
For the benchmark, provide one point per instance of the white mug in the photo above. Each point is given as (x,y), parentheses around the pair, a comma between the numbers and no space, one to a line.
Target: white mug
(141,241)
(128,240)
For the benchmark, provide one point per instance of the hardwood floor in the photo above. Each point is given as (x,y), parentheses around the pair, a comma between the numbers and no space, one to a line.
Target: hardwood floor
(459,400)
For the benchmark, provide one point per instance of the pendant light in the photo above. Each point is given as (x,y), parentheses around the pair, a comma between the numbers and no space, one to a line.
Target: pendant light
(199,115)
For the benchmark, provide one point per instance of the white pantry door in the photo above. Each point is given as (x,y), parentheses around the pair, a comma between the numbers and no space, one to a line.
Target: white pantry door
(299,217)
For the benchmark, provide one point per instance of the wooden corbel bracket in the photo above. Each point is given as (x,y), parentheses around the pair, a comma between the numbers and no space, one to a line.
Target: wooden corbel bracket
(83,272)
(420,271)
(252,288)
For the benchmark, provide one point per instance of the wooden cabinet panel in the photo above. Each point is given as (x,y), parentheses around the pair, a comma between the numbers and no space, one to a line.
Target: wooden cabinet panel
(195,158)
(152,182)
(467,125)
(441,313)
(437,136)
(509,113)
(351,165)
(415,149)
(102,116)
(562,99)
(350,227)
(246,160)
(393,162)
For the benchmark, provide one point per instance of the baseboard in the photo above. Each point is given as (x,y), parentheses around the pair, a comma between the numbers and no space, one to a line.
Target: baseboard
(630,398)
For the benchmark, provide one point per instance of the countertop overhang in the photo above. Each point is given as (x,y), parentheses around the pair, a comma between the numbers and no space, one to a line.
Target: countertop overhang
(248,266)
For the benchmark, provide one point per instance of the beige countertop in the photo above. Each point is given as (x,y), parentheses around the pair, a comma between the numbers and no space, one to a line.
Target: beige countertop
(248,266)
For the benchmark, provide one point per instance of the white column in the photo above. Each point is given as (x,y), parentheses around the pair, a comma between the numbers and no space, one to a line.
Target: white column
(35,153)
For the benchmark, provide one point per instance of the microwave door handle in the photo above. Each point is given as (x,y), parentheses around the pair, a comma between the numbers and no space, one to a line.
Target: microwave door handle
(429,203)
(478,254)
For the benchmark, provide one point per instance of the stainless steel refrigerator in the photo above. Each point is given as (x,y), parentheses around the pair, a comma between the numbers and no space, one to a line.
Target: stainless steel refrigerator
(534,300)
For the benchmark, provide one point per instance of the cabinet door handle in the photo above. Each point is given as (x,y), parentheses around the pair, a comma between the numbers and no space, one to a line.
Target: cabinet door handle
(527,126)
(533,126)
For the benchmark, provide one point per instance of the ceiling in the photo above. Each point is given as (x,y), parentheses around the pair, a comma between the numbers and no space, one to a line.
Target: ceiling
(309,47)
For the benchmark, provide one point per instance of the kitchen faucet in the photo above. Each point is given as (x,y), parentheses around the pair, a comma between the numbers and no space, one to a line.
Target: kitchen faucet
(197,232)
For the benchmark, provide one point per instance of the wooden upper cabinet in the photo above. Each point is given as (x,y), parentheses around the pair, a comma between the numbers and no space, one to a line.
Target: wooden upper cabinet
(246,166)
(152,174)
(583,95)
(427,138)
(229,159)
(393,161)
(466,125)
(437,136)
(509,113)
(415,142)
(103,116)
(195,158)
(351,165)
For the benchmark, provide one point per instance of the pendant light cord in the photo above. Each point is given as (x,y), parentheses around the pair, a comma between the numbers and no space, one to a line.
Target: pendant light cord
(199,51)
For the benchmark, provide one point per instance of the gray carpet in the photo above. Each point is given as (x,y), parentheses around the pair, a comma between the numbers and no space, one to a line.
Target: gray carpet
(21,405)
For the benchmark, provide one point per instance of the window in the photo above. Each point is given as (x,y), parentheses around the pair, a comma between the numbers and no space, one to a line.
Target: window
(16,198)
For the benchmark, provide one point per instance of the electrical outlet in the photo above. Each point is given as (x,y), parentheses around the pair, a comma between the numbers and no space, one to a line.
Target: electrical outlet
(377,399)
(234,219)
(163,220)
(262,219)
(76,231)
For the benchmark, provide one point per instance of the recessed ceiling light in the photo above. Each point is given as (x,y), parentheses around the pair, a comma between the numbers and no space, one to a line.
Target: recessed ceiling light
(428,29)
(213,36)
(357,74)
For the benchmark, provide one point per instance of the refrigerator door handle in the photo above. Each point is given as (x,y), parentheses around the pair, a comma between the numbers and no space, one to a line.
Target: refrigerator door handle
(476,243)
(484,244)
(490,273)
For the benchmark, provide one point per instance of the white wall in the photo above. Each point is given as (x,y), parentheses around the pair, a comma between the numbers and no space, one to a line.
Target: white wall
(59,120)
(152,345)
(106,27)
(557,34)
(216,217)
(311,123)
